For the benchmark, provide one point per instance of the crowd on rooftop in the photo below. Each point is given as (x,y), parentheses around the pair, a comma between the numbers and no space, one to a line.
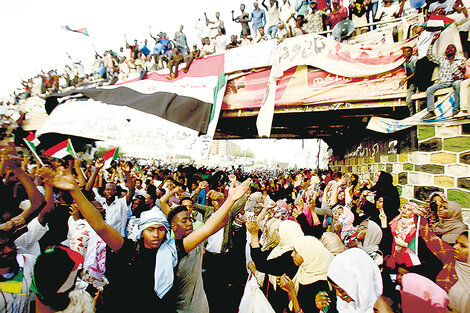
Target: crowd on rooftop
(131,236)
(274,20)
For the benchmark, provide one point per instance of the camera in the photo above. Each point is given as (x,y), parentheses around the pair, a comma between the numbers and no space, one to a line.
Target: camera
(433,206)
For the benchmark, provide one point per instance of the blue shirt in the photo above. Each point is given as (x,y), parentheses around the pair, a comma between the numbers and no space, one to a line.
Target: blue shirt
(165,43)
(259,19)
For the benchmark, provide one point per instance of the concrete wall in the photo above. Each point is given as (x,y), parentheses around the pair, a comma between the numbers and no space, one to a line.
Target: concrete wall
(441,162)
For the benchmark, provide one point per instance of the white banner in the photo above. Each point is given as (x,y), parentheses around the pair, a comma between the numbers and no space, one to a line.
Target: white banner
(331,56)
(337,58)
(249,57)
(444,111)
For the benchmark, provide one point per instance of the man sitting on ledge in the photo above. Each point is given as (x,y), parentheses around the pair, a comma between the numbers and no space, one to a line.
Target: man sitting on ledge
(450,74)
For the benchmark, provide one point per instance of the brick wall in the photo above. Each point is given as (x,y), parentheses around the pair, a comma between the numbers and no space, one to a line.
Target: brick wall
(441,162)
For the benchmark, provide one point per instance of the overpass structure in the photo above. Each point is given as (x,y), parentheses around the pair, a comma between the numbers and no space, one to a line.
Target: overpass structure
(305,87)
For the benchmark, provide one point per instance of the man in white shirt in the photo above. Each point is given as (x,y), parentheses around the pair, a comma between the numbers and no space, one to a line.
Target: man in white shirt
(273,17)
(286,13)
(117,209)
(208,48)
(139,189)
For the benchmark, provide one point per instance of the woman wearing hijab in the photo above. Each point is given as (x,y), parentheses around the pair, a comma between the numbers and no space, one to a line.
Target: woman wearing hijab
(455,274)
(404,228)
(436,199)
(308,219)
(449,225)
(372,238)
(143,270)
(313,260)
(277,261)
(380,218)
(384,188)
(333,243)
(357,283)
(271,238)
(420,294)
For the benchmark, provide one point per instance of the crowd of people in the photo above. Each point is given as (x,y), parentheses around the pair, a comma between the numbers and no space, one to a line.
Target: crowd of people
(453,67)
(274,20)
(80,236)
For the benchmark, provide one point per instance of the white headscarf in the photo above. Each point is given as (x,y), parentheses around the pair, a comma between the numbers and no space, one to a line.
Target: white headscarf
(372,238)
(316,257)
(270,238)
(288,231)
(316,261)
(332,242)
(357,274)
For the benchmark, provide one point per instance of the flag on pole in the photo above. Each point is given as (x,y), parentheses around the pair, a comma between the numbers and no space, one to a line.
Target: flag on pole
(32,141)
(83,31)
(61,150)
(110,156)
(32,147)
(411,256)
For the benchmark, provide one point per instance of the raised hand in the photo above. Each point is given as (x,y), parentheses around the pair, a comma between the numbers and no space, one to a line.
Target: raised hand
(76,163)
(125,166)
(99,164)
(252,226)
(232,178)
(74,212)
(237,192)
(62,178)
(322,300)
(203,184)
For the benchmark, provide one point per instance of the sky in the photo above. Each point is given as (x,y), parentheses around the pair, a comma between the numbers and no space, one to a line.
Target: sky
(33,39)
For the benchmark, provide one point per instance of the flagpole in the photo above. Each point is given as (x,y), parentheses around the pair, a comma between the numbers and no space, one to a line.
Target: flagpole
(34,152)
(73,149)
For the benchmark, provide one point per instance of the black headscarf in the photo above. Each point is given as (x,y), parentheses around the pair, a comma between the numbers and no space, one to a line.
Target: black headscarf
(385,189)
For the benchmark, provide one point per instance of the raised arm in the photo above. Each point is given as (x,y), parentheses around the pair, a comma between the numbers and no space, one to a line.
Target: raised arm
(214,223)
(164,200)
(264,5)
(49,207)
(98,166)
(431,56)
(151,36)
(127,44)
(80,175)
(438,247)
(199,207)
(130,183)
(253,229)
(64,180)
(34,196)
